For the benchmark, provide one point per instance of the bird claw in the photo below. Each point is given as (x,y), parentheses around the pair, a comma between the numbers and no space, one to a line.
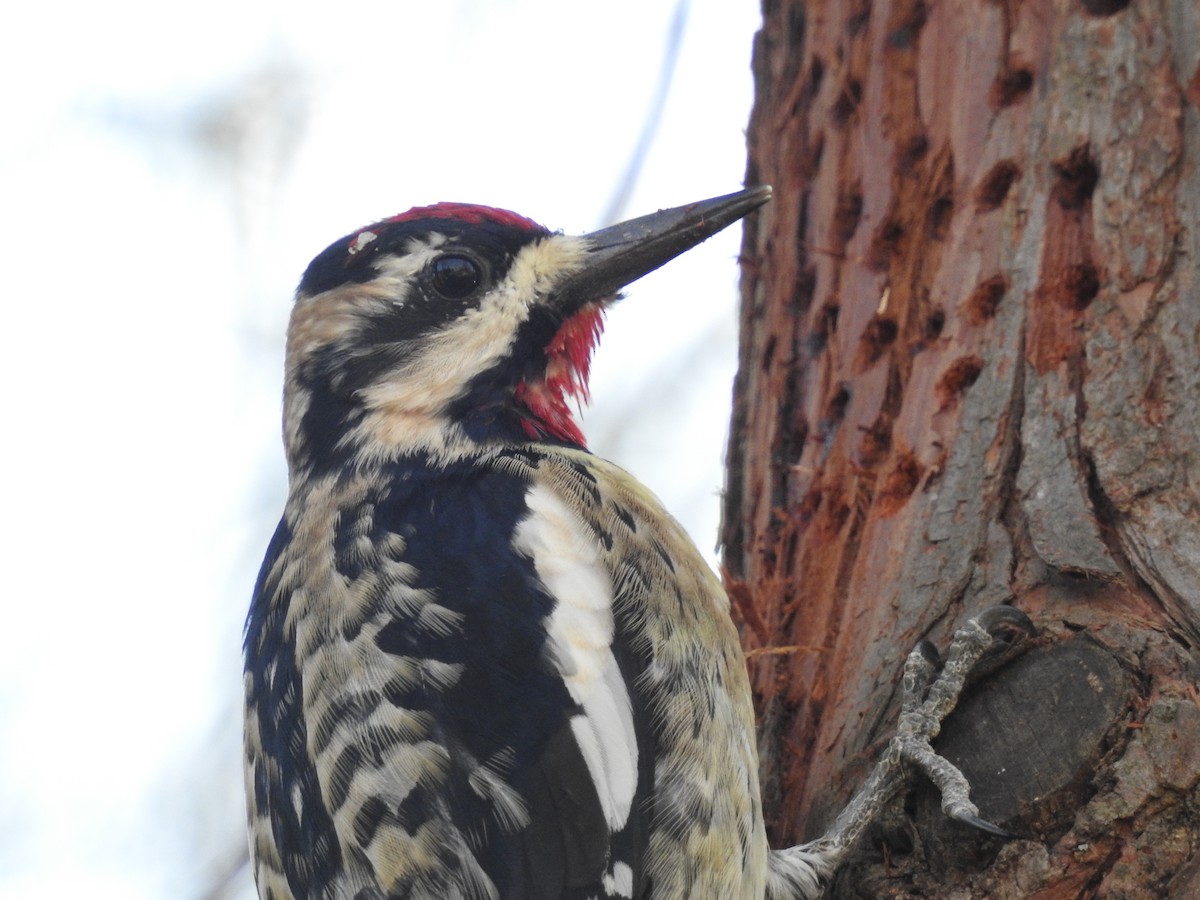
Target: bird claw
(1006,623)
(982,825)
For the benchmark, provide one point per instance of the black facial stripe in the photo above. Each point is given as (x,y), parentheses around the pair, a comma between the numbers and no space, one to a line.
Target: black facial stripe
(336,265)
(332,410)
(487,407)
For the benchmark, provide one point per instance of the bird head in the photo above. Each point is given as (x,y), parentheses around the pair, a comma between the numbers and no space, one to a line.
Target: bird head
(453,326)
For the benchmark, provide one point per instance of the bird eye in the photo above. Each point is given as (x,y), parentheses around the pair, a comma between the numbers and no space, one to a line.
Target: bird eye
(455,277)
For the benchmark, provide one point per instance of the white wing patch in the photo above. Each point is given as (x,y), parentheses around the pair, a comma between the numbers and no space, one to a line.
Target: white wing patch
(619,880)
(566,560)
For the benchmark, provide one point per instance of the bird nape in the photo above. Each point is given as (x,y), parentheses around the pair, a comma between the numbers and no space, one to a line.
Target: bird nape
(480,661)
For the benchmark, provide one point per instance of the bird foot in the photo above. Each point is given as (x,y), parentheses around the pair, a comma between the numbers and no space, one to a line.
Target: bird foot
(929,695)
(930,692)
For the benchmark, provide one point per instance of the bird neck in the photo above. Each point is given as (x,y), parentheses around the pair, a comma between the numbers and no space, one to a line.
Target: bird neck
(545,399)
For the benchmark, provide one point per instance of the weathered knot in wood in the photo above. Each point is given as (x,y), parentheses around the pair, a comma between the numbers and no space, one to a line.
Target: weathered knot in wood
(1029,737)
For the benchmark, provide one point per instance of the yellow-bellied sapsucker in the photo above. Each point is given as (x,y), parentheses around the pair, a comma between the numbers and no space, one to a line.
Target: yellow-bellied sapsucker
(480,661)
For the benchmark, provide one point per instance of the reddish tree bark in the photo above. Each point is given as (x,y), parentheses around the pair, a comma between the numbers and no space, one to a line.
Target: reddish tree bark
(969,375)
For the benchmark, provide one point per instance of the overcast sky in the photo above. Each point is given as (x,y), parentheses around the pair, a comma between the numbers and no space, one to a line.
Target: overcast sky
(165,175)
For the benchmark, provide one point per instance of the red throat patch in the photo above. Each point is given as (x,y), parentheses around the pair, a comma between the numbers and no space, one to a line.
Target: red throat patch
(568,365)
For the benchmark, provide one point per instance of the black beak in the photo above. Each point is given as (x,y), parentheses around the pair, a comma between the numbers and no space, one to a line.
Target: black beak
(625,252)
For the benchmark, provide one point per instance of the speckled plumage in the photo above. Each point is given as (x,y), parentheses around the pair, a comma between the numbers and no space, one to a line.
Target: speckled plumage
(677,648)
(481,662)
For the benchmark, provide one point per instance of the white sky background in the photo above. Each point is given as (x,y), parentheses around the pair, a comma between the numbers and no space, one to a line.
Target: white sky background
(166,173)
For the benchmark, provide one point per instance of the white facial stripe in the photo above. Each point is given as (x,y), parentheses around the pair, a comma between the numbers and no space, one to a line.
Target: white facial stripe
(478,339)
(333,316)
(540,266)
(581,632)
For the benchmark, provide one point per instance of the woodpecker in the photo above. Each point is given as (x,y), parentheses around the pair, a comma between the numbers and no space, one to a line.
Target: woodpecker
(481,662)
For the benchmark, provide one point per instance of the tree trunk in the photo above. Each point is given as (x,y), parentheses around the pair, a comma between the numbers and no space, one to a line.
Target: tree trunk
(969,375)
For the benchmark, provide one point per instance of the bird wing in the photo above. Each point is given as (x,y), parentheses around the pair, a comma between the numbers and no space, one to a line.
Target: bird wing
(293,843)
(680,653)
(465,702)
